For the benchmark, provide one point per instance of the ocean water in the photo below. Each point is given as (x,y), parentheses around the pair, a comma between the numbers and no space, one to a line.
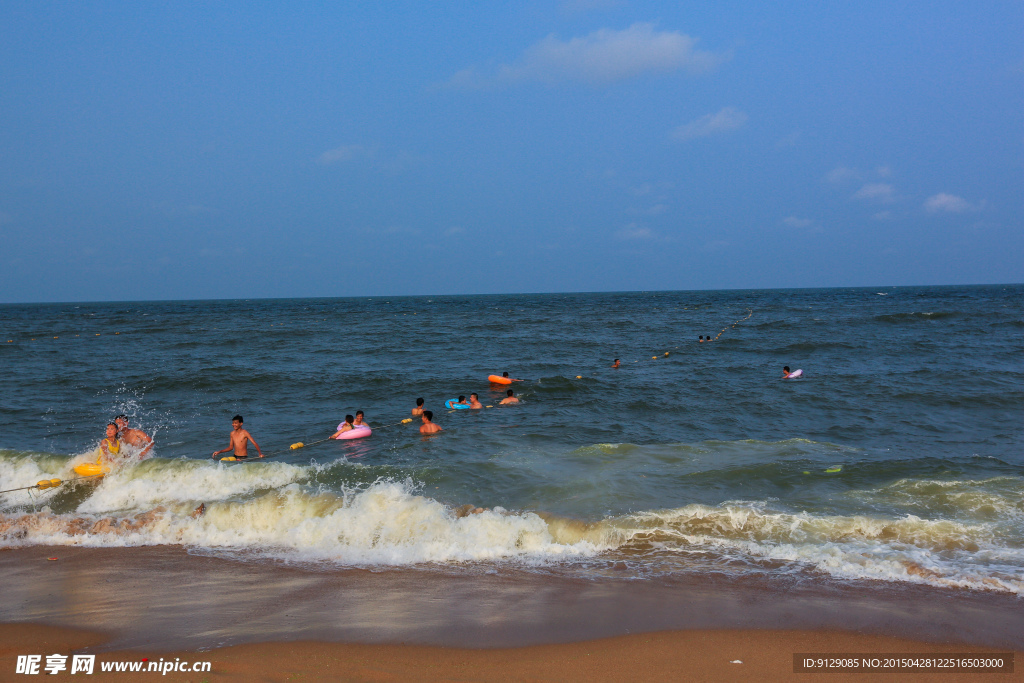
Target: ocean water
(897,457)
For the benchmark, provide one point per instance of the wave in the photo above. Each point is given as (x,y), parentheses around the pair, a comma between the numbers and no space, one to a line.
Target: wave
(942,532)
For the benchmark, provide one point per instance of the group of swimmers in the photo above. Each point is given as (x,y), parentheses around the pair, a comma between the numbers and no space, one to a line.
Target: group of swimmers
(240,438)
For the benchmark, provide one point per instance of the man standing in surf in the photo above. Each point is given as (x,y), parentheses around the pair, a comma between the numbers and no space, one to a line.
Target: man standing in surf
(239,441)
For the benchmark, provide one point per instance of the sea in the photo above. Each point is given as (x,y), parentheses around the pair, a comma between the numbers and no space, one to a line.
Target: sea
(896,456)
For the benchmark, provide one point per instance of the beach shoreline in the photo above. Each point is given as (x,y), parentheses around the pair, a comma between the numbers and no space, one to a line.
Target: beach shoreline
(706,655)
(169,598)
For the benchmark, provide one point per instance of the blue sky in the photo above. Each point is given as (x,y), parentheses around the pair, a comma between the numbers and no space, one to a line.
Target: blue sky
(182,150)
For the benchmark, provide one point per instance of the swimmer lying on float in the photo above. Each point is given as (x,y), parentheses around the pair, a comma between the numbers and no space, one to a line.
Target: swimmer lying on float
(786,374)
(350,430)
(504,379)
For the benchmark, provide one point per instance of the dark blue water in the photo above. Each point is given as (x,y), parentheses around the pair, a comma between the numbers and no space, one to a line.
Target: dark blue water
(689,456)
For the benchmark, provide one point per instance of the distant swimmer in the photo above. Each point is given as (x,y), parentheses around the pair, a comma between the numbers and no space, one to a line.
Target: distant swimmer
(701,339)
(110,447)
(136,438)
(786,374)
(346,426)
(418,410)
(616,363)
(509,398)
(428,427)
(359,422)
(239,441)
(474,402)
(461,401)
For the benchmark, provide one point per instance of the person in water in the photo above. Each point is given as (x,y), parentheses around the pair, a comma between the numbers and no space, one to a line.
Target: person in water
(136,438)
(616,363)
(428,427)
(461,401)
(346,426)
(474,402)
(509,398)
(239,441)
(701,339)
(359,422)
(418,410)
(110,446)
(505,375)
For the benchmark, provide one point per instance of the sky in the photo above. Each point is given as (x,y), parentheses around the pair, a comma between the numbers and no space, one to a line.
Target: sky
(247,150)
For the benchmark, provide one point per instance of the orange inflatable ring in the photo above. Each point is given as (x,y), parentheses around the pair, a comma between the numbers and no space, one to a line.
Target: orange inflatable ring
(498,380)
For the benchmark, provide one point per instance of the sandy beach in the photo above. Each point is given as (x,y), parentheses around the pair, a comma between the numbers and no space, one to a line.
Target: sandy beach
(255,620)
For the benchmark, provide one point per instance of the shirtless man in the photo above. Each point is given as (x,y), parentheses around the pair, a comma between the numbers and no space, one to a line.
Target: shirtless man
(428,427)
(418,410)
(136,438)
(474,402)
(509,399)
(110,447)
(239,441)
(616,363)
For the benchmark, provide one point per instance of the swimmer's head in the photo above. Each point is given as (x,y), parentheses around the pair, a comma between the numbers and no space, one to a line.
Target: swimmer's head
(111,430)
(504,374)
(475,397)
(509,392)
(121,421)
(349,419)
(428,415)
(462,399)
(238,419)
(785,369)
(360,413)
(419,402)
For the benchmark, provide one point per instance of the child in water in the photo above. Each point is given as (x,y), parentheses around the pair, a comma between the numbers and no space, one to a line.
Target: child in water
(238,441)
(110,447)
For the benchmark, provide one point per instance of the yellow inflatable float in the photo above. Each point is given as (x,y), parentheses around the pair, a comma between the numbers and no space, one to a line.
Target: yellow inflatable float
(92,469)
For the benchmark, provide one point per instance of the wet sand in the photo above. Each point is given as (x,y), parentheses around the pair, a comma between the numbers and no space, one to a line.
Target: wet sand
(664,656)
(406,624)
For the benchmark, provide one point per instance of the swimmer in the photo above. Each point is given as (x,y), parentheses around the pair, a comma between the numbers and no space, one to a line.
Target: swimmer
(616,363)
(509,398)
(359,420)
(428,427)
(701,339)
(135,438)
(239,441)
(785,372)
(461,401)
(418,410)
(110,447)
(474,402)
(346,426)
(467,510)
(505,375)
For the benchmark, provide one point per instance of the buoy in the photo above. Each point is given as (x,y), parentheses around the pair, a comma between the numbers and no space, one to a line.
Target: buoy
(230,458)
(44,484)
(666,353)
(407,420)
(579,376)
(833,470)
(806,472)
(297,445)
(51,559)
(654,358)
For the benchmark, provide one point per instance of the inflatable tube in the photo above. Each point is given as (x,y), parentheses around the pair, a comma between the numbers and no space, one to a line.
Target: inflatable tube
(499,380)
(356,433)
(453,404)
(794,374)
(91,469)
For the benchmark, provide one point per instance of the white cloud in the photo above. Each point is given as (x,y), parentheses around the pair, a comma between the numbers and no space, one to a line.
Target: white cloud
(876,192)
(343,153)
(794,222)
(603,56)
(949,203)
(634,232)
(728,118)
